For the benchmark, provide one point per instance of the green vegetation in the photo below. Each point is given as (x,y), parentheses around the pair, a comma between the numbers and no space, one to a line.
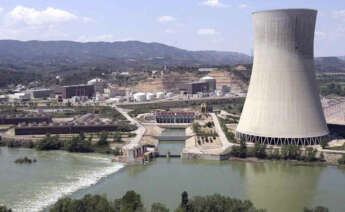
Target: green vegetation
(260,150)
(131,202)
(239,151)
(16,144)
(316,209)
(4,209)
(229,135)
(333,89)
(77,144)
(341,161)
(49,143)
(25,160)
(117,138)
(232,105)
(286,152)
(159,207)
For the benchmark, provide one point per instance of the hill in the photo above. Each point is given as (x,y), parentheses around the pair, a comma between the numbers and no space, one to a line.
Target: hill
(329,65)
(61,55)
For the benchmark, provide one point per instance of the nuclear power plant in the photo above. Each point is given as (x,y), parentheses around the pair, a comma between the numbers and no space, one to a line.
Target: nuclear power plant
(283,103)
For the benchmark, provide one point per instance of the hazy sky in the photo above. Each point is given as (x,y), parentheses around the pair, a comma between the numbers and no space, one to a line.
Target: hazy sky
(189,24)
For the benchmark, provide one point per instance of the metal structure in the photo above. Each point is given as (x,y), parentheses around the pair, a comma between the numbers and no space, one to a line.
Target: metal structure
(283,104)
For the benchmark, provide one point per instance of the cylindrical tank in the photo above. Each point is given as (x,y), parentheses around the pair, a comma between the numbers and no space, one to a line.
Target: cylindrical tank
(160,95)
(150,96)
(139,97)
(211,82)
(219,93)
(283,104)
(170,94)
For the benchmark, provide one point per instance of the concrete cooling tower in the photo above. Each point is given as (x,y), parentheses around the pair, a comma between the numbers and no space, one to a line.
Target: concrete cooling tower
(283,103)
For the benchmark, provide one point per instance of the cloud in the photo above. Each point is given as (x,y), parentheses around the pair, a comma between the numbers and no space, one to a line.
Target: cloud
(320,35)
(340,14)
(87,20)
(166,19)
(242,6)
(207,31)
(170,31)
(1,9)
(101,38)
(31,16)
(214,3)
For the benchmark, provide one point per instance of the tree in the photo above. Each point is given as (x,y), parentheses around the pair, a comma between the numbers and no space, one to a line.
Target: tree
(4,209)
(103,139)
(131,202)
(341,161)
(324,143)
(184,199)
(117,137)
(316,209)
(310,154)
(259,150)
(219,203)
(159,207)
(78,144)
(49,143)
(243,149)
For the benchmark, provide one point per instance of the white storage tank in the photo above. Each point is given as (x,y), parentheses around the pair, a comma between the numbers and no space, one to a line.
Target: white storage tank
(160,95)
(150,96)
(211,82)
(170,94)
(139,97)
(219,93)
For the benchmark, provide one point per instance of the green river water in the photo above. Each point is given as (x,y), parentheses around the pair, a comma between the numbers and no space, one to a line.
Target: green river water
(276,186)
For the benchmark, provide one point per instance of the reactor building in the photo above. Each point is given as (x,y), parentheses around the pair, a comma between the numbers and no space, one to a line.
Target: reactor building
(283,103)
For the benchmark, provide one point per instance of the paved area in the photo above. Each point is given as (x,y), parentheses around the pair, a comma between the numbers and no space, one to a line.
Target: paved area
(135,142)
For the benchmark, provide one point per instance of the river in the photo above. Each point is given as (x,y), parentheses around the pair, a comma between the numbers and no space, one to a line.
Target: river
(274,185)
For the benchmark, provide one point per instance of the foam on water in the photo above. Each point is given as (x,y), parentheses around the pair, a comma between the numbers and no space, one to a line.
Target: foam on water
(50,192)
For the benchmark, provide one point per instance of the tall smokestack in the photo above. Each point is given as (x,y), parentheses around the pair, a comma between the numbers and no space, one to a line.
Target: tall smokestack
(283,103)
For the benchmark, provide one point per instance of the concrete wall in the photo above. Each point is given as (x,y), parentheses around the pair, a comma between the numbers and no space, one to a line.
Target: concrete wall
(283,97)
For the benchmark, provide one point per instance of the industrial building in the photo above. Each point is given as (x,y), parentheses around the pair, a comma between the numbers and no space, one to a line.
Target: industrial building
(78,90)
(39,129)
(196,87)
(41,93)
(25,118)
(283,103)
(211,83)
(175,117)
(98,83)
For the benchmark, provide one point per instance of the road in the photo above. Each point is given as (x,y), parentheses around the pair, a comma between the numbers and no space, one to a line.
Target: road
(226,145)
(135,142)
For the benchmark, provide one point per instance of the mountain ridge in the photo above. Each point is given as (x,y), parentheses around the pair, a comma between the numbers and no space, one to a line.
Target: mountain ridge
(52,53)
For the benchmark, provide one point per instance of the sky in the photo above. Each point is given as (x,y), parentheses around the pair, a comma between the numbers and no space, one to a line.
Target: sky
(223,25)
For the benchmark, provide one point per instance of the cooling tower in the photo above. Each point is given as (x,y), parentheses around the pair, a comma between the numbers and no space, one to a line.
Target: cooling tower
(283,103)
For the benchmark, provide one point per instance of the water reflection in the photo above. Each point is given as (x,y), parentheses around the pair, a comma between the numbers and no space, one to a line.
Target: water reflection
(278,186)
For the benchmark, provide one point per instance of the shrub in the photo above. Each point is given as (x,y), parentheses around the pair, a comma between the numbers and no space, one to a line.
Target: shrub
(316,209)
(218,203)
(4,209)
(259,150)
(239,151)
(103,139)
(78,144)
(159,207)
(49,143)
(25,160)
(341,161)
(310,154)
